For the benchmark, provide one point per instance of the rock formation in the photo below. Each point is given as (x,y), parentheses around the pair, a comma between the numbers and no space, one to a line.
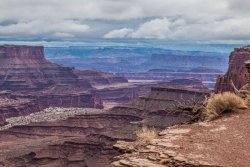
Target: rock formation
(24,68)
(205,75)
(223,142)
(86,138)
(96,77)
(11,106)
(25,72)
(189,83)
(159,108)
(236,70)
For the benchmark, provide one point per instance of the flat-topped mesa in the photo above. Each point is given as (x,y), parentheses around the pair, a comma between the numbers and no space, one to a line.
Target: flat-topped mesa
(25,68)
(26,73)
(236,70)
(20,53)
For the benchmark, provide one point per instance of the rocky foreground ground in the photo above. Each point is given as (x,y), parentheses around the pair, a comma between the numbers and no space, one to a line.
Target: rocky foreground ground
(223,142)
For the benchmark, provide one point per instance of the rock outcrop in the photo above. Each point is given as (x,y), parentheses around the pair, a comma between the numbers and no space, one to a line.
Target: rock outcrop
(24,68)
(223,142)
(37,83)
(11,106)
(236,70)
(27,74)
(159,108)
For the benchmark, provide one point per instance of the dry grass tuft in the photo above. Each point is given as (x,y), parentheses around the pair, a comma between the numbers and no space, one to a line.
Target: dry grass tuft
(145,134)
(222,103)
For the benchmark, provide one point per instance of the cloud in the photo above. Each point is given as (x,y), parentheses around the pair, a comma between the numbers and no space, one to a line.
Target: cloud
(106,9)
(63,35)
(180,29)
(63,29)
(241,6)
(159,19)
(121,33)
(157,28)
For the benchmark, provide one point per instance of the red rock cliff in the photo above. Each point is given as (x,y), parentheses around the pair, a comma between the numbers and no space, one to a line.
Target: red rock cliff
(236,70)
(25,68)
(25,72)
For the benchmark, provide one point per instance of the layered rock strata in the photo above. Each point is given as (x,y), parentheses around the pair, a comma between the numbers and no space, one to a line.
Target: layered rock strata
(236,70)
(72,137)
(26,73)
(83,137)
(159,108)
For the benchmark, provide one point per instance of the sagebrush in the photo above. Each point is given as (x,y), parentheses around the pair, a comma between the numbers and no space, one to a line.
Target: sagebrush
(222,103)
(146,134)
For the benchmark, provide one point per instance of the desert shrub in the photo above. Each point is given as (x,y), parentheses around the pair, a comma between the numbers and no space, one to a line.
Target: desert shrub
(146,134)
(222,103)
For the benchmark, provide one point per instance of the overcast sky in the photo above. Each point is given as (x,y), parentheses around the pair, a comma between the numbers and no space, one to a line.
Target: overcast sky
(178,20)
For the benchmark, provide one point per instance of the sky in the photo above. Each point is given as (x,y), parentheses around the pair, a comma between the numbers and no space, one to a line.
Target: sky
(171,20)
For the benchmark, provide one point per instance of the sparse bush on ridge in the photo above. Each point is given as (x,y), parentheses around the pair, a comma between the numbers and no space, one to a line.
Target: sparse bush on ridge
(146,134)
(222,103)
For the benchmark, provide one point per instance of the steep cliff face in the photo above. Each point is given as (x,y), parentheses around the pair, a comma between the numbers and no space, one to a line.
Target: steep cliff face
(159,108)
(11,106)
(236,70)
(26,73)
(24,68)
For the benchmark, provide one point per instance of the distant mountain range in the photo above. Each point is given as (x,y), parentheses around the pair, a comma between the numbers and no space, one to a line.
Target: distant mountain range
(135,59)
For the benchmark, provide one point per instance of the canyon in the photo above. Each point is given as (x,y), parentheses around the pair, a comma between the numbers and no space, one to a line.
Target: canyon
(36,83)
(85,137)
(205,75)
(53,116)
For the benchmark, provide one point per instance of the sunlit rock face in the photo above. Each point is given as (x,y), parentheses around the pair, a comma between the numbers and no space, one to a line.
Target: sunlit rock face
(236,70)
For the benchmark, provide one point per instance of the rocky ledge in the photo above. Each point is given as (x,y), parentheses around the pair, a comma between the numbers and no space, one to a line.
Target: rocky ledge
(223,142)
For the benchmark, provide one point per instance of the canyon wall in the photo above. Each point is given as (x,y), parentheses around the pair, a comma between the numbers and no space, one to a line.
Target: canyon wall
(236,70)
(88,139)
(24,68)
(159,108)
(28,75)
